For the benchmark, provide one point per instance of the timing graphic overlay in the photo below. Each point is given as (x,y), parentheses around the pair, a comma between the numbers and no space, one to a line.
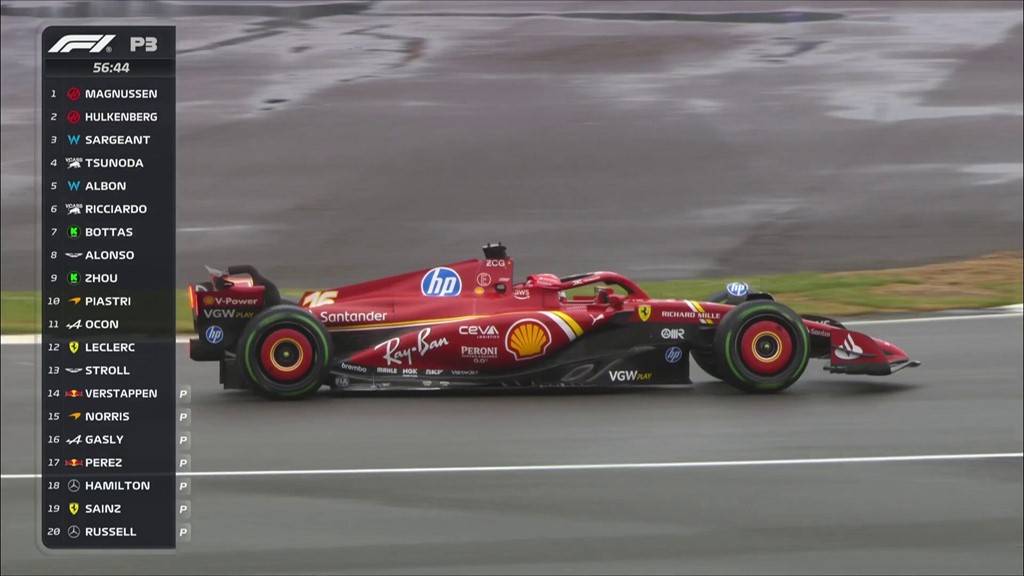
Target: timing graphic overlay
(109,403)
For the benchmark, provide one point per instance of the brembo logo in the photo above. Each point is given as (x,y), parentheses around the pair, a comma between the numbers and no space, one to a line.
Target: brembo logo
(92,42)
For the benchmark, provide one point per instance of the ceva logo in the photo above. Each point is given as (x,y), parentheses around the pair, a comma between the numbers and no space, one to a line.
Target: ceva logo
(92,42)
(441,282)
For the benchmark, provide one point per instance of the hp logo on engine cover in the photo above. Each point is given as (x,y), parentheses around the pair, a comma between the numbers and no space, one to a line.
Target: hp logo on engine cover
(737,289)
(441,282)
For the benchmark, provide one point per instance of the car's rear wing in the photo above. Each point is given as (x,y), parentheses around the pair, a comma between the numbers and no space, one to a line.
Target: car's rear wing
(222,307)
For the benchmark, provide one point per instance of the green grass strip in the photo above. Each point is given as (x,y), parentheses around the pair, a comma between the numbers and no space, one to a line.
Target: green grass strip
(979,283)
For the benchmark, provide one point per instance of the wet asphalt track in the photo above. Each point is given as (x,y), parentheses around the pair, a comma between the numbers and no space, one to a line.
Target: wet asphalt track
(714,149)
(922,517)
(327,147)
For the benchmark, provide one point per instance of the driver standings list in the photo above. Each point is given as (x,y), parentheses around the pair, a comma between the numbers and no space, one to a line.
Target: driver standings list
(111,440)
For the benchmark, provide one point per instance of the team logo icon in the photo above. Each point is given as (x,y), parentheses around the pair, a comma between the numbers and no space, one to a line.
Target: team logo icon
(644,312)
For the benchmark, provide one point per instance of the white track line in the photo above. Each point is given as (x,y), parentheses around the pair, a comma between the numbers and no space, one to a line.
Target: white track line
(24,339)
(933,319)
(572,467)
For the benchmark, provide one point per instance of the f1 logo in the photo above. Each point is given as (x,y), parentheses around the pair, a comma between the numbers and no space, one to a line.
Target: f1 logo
(147,43)
(92,42)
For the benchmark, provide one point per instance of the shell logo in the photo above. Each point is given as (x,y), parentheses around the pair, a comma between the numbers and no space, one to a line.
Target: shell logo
(527,339)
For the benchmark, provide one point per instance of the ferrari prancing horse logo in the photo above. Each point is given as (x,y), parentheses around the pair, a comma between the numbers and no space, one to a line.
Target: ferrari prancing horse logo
(73,346)
(73,508)
(644,312)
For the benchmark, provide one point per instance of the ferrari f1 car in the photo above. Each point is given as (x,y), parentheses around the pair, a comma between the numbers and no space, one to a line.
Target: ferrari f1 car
(471,324)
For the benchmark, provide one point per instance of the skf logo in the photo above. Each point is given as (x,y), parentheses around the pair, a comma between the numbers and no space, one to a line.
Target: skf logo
(92,42)
(147,43)
(527,339)
(644,312)
(318,298)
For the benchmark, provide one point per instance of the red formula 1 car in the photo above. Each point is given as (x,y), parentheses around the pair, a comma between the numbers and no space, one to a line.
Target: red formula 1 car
(471,324)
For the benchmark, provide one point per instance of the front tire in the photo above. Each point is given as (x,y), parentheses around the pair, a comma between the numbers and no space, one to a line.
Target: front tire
(284,353)
(761,347)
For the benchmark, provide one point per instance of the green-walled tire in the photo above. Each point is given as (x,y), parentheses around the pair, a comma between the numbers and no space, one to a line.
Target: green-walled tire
(761,347)
(284,353)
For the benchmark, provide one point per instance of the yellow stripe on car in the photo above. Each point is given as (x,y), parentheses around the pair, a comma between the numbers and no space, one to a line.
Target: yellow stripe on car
(572,323)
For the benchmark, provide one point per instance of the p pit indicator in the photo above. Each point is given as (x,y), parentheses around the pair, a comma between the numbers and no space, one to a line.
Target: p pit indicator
(109,402)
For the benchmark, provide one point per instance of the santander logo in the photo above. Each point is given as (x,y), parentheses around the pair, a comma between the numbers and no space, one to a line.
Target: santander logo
(849,350)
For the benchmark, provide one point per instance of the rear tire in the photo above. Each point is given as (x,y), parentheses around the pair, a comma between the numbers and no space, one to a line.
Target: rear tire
(761,347)
(284,353)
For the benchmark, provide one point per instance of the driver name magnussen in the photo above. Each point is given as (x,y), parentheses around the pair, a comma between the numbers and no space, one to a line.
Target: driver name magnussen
(352,317)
